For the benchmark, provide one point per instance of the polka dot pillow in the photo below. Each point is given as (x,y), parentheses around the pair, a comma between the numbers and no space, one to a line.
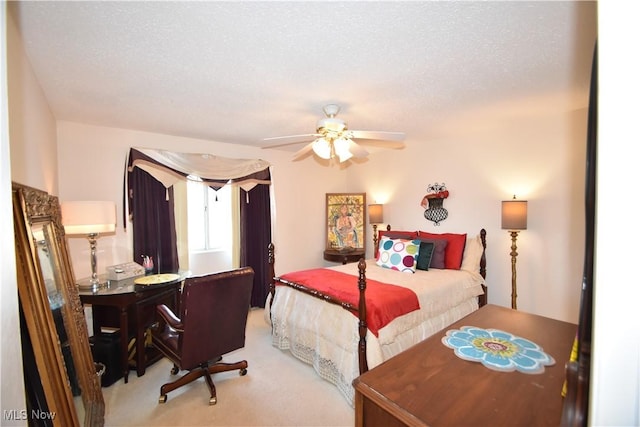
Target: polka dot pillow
(398,254)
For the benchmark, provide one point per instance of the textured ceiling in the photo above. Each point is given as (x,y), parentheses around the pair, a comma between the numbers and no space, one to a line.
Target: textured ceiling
(239,72)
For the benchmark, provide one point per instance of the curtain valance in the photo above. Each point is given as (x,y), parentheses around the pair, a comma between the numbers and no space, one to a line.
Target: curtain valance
(169,167)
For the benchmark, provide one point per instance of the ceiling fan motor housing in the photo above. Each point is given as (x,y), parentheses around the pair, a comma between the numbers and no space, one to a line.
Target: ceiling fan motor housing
(331,125)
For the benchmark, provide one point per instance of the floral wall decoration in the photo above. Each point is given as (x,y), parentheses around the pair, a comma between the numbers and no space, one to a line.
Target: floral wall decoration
(433,202)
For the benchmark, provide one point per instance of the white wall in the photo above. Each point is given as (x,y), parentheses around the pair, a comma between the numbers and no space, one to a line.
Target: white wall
(539,157)
(615,377)
(33,161)
(11,367)
(32,129)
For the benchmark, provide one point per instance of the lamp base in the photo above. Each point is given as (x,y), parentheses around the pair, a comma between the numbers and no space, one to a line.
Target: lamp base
(92,284)
(89,288)
(514,254)
(375,238)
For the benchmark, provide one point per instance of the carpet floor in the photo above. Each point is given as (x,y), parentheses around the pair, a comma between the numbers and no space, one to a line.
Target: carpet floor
(278,390)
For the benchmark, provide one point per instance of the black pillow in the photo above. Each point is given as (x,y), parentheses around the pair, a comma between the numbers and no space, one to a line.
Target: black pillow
(424,255)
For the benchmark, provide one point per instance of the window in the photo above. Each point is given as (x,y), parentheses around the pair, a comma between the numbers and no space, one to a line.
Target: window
(209,216)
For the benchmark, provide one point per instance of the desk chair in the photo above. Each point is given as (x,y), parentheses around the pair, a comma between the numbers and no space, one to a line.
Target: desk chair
(213,320)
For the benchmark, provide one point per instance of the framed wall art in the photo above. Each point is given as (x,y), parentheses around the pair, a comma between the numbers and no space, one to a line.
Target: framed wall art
(346,221)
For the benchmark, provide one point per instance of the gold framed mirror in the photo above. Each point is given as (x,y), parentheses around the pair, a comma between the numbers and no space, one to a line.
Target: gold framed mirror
(53,312)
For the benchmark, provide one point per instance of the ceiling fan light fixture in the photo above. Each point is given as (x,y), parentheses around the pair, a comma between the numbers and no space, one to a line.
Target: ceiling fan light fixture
(334,139)
(341,147)
(322,148)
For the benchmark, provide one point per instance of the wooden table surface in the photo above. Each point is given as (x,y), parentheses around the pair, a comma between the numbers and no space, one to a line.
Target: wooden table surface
(429,385)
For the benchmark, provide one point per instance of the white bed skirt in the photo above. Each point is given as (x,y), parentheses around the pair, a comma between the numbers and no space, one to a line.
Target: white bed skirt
(325,335)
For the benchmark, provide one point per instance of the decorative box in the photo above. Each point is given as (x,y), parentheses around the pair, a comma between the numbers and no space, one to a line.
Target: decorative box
(124,271)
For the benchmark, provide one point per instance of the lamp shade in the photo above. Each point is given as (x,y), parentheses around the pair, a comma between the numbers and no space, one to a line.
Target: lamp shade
(375,214)
(514,215)
(341,146)
(322,148)
(88,217)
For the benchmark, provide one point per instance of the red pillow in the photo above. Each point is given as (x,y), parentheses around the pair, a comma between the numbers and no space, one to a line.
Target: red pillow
(454,250)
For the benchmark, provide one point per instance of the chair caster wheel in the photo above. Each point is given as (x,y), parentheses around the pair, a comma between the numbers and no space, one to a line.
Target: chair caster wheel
(213,400)
(243,372)
(162,399)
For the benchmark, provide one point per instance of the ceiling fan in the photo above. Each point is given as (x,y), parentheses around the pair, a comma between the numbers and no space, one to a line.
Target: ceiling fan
(333,139)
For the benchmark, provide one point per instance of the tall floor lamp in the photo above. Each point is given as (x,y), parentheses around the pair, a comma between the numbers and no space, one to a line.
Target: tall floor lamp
(375,218)
(514,219)
(89,219)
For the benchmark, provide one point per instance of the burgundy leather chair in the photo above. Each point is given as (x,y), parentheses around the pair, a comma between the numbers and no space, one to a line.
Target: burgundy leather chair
(212,322)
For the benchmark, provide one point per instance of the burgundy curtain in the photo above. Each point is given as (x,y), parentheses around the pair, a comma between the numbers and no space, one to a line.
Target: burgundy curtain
(255,236)
(154,230)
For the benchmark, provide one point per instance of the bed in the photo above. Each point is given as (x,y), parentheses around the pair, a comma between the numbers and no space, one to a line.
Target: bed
(346,319)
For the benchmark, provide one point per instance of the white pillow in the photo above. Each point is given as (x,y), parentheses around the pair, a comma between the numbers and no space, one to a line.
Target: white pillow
(398,254)
(472,253)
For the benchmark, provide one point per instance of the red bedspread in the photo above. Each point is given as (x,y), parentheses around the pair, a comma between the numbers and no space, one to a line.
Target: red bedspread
(385,302)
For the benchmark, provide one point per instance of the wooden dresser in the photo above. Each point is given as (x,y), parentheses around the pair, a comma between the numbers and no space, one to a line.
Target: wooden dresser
(428,385)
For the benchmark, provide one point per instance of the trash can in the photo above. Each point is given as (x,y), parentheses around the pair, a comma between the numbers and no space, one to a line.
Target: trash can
(105,349)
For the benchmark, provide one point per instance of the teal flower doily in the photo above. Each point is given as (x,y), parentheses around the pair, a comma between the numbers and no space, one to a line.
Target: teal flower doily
(498,350)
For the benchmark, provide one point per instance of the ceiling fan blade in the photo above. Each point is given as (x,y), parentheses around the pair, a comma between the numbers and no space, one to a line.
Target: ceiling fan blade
(379,135)
(381,143)
(357,150)
(282,141)
(303,151)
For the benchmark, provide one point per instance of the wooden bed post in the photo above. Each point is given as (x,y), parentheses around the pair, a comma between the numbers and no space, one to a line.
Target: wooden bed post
(272,274)
(376,242)
(362,316)
(482,300)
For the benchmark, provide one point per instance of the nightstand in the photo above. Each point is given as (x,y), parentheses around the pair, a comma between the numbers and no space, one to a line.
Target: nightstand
(335,255)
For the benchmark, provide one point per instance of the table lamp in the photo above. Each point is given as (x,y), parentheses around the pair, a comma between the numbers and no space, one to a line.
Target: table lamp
(375,218)
(89,219)
(514,219)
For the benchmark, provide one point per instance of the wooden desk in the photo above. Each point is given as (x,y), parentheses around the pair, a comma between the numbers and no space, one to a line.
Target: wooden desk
(344,257)
(123,304)
(428,385)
